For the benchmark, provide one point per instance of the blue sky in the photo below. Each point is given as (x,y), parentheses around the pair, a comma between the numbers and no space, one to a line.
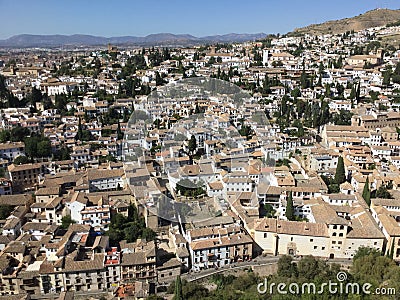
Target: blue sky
(199,18)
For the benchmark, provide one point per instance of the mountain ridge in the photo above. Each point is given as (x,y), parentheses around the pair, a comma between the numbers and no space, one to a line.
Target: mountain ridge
(54,40)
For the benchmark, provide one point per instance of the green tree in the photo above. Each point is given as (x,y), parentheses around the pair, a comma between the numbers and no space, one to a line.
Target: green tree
(366,194)
(31,144)
(383,192)
(44,148)
(286,267)
(289,208)
(295,93)
(340,175)
(19,133)
(148,234)
(178,294)
(5,211)
(21,160)
(62,154)
(80,130)
(372,268)
(192,146)
(66,221)
(120,135)
(4,136)
(308,268)
(86,136)
(159,80)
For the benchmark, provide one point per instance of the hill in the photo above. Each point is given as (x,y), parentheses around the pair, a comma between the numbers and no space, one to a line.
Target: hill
(159,39)
(372,18)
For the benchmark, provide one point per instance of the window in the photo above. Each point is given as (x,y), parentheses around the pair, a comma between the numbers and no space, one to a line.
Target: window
(311,240)
(315,247)
(265,235)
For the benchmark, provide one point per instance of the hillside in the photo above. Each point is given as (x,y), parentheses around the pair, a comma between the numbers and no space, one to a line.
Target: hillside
(372,18)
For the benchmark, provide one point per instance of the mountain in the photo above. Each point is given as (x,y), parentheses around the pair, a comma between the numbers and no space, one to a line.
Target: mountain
(32,40)
(234,37)
(373,18)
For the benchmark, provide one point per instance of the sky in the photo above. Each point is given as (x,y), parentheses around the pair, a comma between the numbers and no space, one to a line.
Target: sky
(199,18)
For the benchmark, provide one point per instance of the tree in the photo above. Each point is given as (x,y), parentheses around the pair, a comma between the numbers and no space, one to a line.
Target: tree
(21,160)
(308,268)
(86,136)
(286,267)
(295,93)
(178,295)
(383,192)
(44,148)
(366,194)
(372,267)
(4,136)
(5,211)
(35,96)
(192,144)
(66,221)
(289,208)
(148,234)
(31,144)
(120,135)
(159,80)
(391,252)
(63,154)
(340,175)
(19,133)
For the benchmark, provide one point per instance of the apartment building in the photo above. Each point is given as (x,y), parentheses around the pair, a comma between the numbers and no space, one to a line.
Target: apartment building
(25,177)
(10,151)
(106,180)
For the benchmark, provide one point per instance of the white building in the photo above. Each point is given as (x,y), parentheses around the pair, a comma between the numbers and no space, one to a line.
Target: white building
(105,180)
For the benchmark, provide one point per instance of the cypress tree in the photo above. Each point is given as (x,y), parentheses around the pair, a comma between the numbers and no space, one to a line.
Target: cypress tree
(366,194)
(80,130)
(391,252)
(120,135)
(340,175)
(178,289)
(289,207)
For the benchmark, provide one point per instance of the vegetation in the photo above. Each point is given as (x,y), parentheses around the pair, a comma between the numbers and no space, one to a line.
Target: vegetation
(290,208)
(178,295)
(189,189)
(5,211)
(382,192)
(21,160)
(129,228)
(66,221)
(37,146)
(340,175)
(366,194)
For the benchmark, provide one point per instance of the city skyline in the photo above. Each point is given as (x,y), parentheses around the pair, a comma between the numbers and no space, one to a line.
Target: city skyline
(139,19)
